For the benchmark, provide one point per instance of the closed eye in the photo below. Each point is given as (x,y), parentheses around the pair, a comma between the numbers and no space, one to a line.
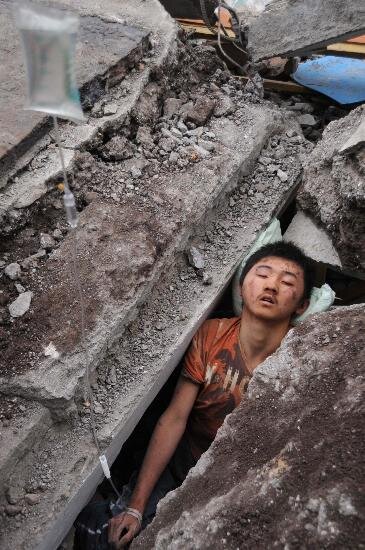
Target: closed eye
(287,283)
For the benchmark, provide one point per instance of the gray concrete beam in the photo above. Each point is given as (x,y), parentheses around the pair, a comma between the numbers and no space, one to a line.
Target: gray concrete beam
(293,27)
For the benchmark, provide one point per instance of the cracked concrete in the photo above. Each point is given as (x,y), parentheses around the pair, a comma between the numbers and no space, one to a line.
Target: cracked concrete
(292,27)
(103,44)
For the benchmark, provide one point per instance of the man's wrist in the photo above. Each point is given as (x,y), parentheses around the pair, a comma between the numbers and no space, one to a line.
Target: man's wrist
(138,503)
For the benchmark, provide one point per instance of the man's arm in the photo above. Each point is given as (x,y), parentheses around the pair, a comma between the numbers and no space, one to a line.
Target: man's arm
(165,438)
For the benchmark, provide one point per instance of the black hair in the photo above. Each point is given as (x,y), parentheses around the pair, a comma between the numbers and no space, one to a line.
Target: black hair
(287,250)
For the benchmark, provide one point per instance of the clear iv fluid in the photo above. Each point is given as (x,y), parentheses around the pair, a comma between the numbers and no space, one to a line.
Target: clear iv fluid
(70,207)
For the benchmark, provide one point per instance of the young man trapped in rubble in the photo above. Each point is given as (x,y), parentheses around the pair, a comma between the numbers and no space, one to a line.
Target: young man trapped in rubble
(275,286)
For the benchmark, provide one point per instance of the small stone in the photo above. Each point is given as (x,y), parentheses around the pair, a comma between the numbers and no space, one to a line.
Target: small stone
(21,304)
(196,258)
(291,133)
(313,504)
(207,279)
(110,109)
(303,107)
(232,202)
(135,172)
(19,288)
(283,176)
(14,495)
(201,110)
(307,120)
(172,107)
(196,131)
(90,196)
(51,351)
(32,498)
(47,242)
(201,152)
(176,133)
(174,157)
(182,127)
(210,135)
(207,145)
(2,264)
(12,510)
(98,408)
(224,107)
(57,234)
(13,271)
(117,148)
(272,168)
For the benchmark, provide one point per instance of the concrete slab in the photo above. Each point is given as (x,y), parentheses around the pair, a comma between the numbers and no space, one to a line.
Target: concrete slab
(103,43)
(312,239)
(294,27)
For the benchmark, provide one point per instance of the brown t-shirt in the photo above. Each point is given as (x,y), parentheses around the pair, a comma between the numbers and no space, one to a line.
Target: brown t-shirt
(215,362)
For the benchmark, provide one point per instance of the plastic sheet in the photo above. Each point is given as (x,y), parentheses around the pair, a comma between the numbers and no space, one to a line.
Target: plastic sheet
(321,299)
(49,41)
(341,78)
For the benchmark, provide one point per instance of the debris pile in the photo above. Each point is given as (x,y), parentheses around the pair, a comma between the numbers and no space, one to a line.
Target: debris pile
(179,166)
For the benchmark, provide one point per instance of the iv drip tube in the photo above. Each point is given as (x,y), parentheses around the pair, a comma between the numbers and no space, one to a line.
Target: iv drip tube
(72,218)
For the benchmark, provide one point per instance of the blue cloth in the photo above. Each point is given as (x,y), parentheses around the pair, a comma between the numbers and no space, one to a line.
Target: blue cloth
(341,78)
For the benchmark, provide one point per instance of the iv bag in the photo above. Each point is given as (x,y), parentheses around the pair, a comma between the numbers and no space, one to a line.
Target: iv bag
(49,42)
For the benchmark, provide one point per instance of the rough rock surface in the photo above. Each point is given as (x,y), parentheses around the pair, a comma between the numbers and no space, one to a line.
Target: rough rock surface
(333,189)
(286,467)
(293,27)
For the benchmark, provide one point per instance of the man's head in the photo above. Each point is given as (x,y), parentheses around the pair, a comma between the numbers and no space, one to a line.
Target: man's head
(276,282)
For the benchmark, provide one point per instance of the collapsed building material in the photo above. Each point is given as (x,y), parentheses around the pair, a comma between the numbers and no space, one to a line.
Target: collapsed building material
(333,190)
(108,48)
(313,240)
(285,467)
(293,27)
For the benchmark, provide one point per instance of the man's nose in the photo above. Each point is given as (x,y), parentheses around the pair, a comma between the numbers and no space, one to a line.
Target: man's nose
(271,284)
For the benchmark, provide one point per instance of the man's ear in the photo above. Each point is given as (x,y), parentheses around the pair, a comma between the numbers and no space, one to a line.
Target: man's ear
(302,307)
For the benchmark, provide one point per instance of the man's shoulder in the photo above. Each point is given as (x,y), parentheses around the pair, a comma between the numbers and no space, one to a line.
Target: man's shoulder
(218,326)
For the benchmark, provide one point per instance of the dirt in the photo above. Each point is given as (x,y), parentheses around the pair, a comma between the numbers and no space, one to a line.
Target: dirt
(285,469)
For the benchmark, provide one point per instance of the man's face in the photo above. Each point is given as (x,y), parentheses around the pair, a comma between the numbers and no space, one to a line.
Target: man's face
(273,289)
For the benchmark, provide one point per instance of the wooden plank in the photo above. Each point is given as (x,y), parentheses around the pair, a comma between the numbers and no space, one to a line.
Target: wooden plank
(281,86)
(347,48)
(203,30)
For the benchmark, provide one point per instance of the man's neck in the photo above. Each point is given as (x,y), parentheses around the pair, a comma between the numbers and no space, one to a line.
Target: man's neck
(259,338)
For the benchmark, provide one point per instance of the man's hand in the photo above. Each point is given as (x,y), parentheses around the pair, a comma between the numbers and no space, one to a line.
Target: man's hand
(122,529)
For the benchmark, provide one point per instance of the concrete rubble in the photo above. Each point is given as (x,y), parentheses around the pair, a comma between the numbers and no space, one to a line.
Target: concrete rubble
(333,190)
(285,467)
(177,168)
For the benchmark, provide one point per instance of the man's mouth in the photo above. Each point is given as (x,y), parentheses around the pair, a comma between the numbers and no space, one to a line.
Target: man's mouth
(267,299)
